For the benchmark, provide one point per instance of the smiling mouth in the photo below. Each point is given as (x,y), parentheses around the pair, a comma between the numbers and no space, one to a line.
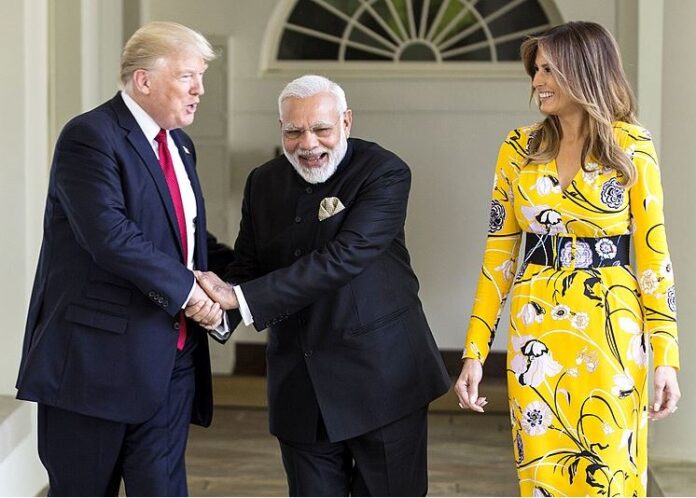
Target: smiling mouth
(545,95)
(313,160)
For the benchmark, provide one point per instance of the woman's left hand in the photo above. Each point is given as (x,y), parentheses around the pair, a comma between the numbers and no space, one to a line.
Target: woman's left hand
(666,393)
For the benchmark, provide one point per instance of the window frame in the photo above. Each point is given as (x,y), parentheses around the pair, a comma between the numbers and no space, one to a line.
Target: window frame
(271,66)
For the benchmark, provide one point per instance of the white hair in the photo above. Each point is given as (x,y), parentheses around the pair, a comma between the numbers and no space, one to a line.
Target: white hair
(309,85)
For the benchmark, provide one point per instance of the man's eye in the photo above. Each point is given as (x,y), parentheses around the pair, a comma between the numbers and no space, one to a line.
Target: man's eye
(292,134)
(322,131)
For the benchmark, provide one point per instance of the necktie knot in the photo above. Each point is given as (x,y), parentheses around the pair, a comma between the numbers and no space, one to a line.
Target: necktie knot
(161,137)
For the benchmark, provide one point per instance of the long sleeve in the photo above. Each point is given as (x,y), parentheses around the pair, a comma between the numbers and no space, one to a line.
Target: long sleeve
(500,257)
(374,220)
(654,267)
(88,183)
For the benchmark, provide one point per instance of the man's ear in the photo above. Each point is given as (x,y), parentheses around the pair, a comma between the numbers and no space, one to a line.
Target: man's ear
(347,121)
(141,81)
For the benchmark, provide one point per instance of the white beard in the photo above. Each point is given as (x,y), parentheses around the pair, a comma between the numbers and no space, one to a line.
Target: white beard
(319,175)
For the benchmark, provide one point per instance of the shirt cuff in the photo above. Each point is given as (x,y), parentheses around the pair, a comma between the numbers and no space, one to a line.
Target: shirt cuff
(224,328)
(243,307)
(189,295)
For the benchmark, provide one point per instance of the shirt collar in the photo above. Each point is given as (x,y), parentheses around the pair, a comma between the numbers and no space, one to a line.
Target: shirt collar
(148,125)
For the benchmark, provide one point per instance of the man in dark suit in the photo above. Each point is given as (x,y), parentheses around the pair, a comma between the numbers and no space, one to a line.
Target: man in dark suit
(321,259)
(117,370)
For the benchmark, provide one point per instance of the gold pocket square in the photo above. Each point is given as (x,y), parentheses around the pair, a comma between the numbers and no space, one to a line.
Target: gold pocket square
(330,206)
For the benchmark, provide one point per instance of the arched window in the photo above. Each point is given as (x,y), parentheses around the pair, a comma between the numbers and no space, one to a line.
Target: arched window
(422,36)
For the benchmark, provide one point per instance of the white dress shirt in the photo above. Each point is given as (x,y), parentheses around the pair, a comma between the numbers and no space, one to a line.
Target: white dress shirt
(243,306)
(150,129)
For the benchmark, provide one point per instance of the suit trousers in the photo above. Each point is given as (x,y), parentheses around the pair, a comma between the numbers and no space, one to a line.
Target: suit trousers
(388,461)
(88,456)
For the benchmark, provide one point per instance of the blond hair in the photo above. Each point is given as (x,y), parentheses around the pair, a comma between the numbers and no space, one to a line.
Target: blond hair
(157,40)
(585,62)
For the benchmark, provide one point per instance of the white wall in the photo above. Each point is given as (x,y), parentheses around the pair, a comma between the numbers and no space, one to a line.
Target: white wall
(23,75)
(675,437)
(23,141)
(447,130)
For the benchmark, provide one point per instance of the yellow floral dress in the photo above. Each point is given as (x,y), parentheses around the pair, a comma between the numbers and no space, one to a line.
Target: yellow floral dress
(577,364)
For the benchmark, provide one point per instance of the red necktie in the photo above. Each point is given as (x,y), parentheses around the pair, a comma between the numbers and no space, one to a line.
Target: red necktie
(165,160)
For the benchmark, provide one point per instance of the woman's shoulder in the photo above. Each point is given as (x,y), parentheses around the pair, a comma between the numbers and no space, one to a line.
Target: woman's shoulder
(519,138)
(627,133)
(525,132)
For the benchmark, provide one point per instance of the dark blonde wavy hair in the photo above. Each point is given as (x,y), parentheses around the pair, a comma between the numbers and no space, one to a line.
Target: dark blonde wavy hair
(584,59)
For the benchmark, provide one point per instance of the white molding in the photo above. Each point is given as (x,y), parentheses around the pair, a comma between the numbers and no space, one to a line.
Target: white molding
(651,15)
(271,67)
(378,70)
(36,130)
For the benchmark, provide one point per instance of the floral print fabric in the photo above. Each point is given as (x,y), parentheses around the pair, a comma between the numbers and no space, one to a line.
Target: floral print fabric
(577,351)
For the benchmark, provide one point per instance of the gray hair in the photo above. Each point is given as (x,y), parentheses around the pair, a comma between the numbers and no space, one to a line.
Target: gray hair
(309,85)
(157,40)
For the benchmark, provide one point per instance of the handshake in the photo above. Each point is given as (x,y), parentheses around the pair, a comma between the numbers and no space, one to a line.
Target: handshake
(210,298)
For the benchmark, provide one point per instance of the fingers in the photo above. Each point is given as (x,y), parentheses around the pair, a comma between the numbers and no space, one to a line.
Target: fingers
(467,386)
(194,309)
(474,400)
(669,408)
(205,312)
(667,393)
(659,395)
(217,289)
(207,280)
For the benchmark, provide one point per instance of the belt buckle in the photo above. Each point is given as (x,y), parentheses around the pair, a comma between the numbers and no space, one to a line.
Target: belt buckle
(559,245)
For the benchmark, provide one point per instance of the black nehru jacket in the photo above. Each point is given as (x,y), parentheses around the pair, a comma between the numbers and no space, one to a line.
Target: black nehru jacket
(348,337)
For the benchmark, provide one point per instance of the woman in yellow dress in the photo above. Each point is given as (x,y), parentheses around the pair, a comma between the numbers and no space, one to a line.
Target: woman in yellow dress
(579,189)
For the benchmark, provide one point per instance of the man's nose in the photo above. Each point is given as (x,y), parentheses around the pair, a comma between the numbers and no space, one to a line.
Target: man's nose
(197,87)
(308,140)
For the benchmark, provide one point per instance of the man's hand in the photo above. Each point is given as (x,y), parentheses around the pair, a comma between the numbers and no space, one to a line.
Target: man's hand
(219,291)
(203,310)
(666,393)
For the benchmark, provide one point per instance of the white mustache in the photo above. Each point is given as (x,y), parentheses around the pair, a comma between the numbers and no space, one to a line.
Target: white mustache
(311,154)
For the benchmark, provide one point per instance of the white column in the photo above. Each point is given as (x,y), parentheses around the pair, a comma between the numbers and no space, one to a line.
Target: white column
(23,178)
(676,437)
(649,80)
(102,39)
(24,172)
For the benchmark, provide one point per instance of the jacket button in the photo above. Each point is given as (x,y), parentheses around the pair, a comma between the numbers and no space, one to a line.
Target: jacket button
(297,252)
(308,190)
(307,354)
(176,325)
(298,219)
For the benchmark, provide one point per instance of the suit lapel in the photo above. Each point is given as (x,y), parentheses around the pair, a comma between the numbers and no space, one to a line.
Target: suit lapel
(188,160)
(141,145)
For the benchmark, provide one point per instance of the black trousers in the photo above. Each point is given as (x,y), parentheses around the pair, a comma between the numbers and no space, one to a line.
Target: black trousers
(389,461)
(88,456)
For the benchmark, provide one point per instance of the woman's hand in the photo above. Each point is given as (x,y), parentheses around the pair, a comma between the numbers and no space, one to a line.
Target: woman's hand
(467,386)
(666,393)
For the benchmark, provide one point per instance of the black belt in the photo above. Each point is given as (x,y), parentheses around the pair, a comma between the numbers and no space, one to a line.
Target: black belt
(570,252)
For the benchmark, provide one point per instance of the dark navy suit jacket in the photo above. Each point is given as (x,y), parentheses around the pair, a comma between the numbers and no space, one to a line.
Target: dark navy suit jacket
(102,325)
(348,337)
